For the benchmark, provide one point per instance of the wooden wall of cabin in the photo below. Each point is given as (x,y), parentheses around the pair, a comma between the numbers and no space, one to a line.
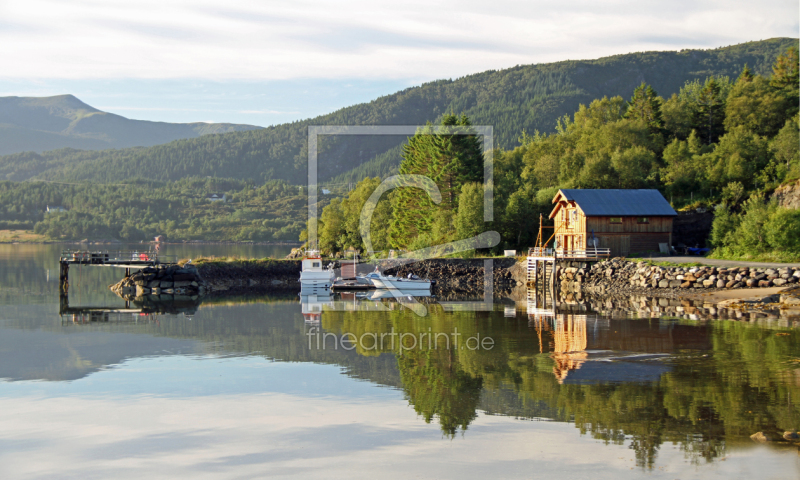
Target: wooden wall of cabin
(577,221)
(629,225)
(572,234)
(625,244)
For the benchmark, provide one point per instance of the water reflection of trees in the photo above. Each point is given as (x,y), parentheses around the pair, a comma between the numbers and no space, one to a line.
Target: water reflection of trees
(725,380)
(741,381)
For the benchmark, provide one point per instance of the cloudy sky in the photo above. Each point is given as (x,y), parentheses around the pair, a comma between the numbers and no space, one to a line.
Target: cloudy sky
(266,62)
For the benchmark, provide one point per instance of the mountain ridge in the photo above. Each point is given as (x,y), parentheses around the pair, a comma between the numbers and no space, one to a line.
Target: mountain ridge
(46,123)
(513,100)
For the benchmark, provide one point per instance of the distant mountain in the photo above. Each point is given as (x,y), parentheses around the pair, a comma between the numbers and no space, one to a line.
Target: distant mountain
(525,97)
(38,124)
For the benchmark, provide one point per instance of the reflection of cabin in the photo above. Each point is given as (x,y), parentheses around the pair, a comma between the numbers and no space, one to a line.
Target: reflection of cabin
(626,221)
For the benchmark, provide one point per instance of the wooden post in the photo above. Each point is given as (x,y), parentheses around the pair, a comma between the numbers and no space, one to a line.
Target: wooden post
(63,277)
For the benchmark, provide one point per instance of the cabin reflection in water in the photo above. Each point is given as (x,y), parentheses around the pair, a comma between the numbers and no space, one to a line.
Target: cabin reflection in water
(589,348)
(568,342)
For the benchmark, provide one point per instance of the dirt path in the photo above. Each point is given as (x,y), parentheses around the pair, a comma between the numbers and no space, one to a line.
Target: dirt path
(720,263)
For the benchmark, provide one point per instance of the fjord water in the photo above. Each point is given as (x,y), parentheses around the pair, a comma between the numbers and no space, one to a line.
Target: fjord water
(240,387)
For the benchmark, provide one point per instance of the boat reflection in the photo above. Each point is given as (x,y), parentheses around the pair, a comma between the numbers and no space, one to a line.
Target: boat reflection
(316,300)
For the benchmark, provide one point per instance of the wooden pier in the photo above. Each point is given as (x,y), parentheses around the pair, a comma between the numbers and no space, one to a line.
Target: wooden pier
(543,262)
(127,259)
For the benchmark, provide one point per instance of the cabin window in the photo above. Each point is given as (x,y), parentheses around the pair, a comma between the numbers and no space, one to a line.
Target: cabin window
(315,264)
(643,220)
(616,220)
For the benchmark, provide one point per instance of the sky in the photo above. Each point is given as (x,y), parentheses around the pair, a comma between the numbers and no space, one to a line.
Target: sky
(301,420)
(268,62)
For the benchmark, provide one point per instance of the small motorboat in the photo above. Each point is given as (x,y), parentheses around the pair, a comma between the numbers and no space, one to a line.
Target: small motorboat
(352,284)
(411,282)
(313,274)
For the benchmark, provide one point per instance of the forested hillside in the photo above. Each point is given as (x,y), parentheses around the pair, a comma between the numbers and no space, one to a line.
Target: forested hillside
(140,210)
(523,98)
(721,143)
(38,124)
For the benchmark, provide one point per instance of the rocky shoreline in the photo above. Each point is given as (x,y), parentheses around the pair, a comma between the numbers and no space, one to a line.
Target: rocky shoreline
(614,278)
(165,282)
(622,275)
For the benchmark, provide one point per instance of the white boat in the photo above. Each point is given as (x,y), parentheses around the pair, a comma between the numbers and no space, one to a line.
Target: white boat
(312,305)
(313,274)
(398,283)
(386,293)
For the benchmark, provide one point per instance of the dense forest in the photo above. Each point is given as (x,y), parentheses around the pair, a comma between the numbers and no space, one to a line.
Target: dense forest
(140,210)
(717,142)
(523,98)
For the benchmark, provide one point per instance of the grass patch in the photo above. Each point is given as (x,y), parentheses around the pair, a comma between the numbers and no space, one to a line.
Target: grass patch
(767,257)
(672,264)
(232,260)
(22,236)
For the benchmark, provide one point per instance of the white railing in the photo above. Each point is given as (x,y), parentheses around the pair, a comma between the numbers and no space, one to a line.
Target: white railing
(110,257)
(564,253)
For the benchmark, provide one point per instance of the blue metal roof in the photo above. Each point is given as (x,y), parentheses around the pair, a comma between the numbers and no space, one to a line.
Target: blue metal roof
(623,203)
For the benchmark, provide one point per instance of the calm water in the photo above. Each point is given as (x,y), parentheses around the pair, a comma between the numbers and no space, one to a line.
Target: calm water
(250,387)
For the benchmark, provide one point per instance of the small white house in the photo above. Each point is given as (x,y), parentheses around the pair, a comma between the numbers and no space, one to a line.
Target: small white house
(216,197)
(50,209)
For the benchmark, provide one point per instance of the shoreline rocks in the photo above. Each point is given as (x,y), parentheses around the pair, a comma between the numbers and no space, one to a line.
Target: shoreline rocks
(163,281)
(619,274)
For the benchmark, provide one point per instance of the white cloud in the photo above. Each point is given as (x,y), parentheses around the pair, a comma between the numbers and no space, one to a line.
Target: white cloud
(280,435)
(355,39)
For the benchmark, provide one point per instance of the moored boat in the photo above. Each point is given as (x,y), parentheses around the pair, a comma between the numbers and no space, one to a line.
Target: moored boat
(313,274)
(412,282)
(351,284)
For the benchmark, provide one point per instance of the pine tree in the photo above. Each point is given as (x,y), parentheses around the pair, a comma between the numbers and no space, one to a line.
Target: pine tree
(451,157)
(645,105)
(709,116)
(785,70)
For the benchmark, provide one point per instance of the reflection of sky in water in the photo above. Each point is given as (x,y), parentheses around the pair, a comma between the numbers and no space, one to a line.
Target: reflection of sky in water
(198,376)
(249,417)
(174,396)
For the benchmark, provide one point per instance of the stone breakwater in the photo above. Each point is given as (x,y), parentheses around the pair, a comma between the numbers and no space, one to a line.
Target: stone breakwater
(190,281)
(623,275)
(167,281)
(248,276)
(463,275)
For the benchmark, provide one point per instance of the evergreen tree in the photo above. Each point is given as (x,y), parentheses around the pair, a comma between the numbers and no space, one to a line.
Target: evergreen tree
(645,105)
(785,70)
(451,157)
(709,115)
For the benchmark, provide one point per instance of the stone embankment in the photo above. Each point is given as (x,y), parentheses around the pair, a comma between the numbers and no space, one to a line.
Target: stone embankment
(248,276)
(207,278)
(162,281)
(463,275)
(620,275)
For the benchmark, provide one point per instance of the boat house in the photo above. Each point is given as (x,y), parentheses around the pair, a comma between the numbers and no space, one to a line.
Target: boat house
(624,221)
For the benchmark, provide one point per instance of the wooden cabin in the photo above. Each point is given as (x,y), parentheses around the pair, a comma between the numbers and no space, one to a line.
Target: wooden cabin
(625,221)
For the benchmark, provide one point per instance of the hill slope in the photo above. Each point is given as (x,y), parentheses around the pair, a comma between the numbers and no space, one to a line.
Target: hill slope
(46,123)
(529,97)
